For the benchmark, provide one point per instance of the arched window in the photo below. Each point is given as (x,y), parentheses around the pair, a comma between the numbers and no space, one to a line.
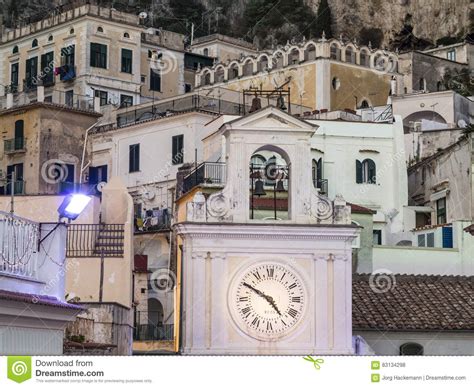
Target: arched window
(364,59)
(207,78)
(294,57)
(15,50)
(310,53)
(206,52)
(366,171)
(411,349)
(126,35)
(247,68)
(71,31)
(364,104)
(335,52)
(350,55)
(50,38)
(262,64)
(439,86)
(233,71)
(258,160)
(100,30)
(219,75)
(379,62)
(422,84)
(34,43)
(335,83)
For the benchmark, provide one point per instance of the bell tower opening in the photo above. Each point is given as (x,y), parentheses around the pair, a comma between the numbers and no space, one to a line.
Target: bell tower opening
(269,184)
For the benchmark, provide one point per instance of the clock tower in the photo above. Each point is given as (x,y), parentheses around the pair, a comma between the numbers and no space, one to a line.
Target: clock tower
(265,258)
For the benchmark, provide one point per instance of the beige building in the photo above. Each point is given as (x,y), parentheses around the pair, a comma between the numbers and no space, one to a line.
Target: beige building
(86,52)
(323,74)
(462,52)
(222,48)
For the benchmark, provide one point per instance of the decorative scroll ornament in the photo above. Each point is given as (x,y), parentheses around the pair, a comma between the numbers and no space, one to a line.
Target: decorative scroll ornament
(321,208)
(218,206)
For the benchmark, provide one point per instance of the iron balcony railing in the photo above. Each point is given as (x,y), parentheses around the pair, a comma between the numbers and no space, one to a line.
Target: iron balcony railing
(95,240)
(16,144)
(6,187)
(18,245)
(210,173)
(322,185)
(153,220)
(146,328)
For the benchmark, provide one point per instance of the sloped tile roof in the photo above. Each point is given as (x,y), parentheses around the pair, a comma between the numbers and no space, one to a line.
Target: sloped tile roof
(43,300)
(413,302)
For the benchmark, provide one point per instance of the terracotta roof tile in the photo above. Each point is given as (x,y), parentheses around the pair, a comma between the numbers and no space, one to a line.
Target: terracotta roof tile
(414,302)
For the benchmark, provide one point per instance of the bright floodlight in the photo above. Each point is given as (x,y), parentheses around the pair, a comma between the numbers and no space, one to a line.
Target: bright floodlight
(73,205)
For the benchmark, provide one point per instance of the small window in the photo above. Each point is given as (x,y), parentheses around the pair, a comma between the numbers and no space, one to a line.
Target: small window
(69,96)
(441,211)
(155,80)
(127,61)
(143,79)
(98,55)
(421,240)
(336,84)
(335,52)
(100,30)
(126,101)
(411,349)
(451,55)
(134,158)
(366,171)
(177,149)
(14,76)
(430,240)
(50,38)
(71,31)
(126,35)
(34,43)
(103,96)
(187,88)
(377,237)
(15,50)
(422,84)
(206,52)
(364,104)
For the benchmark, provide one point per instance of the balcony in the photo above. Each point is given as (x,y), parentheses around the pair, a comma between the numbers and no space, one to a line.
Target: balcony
(66,72)
(16,145)
(146,330)
(207,173)
(95,240)
(154,221)
(18,187)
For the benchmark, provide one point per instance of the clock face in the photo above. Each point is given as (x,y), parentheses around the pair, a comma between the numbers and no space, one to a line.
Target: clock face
(268,300)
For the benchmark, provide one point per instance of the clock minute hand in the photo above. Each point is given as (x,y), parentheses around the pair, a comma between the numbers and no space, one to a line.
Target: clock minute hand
(269,299)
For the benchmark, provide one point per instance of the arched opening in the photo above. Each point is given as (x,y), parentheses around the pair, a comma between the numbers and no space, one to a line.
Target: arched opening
(50,38)
(393,65)
(34,43)
(262,64)
(247,69)
(439,86)
(126,35)
(294,57)
(15,50)
(350,55)
(335,52)
(219,74)
(206,78)
(233,71)
(100,30)
(379,62)
(206,52)
(366,171)
(364,58)
(422,84)
(269,186)
(310,53)
(71,31)
(155,312)
(364,104)
(411,349)
(278,60)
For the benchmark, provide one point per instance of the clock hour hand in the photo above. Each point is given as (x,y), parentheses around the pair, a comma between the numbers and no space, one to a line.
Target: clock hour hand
(269,299)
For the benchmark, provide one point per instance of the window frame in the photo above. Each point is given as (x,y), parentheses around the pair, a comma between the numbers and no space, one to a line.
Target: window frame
(134,158)
(123,97)
(177,149)
(126,63)
(103,96)
(441,213)
(98,58)
(155,77)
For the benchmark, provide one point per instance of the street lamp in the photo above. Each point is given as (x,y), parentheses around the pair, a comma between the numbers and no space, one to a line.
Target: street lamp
(72,206)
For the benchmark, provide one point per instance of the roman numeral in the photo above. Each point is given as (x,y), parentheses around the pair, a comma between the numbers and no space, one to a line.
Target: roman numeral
(293,312)
(244,298)
(245,310)
(296,299)
(257,275)
(270,272)
(282,276)
(292,286)
(256,322)
(283,322)
(269,326)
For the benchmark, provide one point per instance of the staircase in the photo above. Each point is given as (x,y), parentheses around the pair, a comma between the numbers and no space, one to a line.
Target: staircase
(95,240)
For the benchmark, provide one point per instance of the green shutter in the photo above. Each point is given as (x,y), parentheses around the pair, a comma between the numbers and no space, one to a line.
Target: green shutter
(358,172)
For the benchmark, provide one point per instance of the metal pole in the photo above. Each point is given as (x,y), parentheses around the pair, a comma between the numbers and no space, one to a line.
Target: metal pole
(12,192)
(275,199)
(251,174)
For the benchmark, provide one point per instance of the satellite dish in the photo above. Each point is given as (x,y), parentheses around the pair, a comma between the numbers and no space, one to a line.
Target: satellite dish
(148,195)
(142,15)
(100,186)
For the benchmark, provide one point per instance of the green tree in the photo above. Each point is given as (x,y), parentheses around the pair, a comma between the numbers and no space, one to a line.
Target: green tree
(460,81)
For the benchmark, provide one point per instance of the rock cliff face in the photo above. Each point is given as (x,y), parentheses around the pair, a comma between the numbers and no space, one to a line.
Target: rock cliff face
(380,21)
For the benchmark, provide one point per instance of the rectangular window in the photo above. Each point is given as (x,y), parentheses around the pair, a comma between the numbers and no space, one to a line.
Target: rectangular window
(377,237)
(18,183)
(155,80)
(68,55)
(98,55)
(47,69)
(103,96)
(430,240)
(70,98)
(126,101)
(134,158)
(177,149)
(97,174)
(441,211)
(451,55)
(187,88)
(421,240)
(127,61)
(14,76)
(31,72)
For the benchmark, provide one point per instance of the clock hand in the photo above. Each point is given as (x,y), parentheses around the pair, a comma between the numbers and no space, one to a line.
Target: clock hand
(269,299)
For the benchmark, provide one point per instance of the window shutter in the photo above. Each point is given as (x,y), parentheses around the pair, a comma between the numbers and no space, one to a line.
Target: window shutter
(372,171)
(93,175)
(358,171)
